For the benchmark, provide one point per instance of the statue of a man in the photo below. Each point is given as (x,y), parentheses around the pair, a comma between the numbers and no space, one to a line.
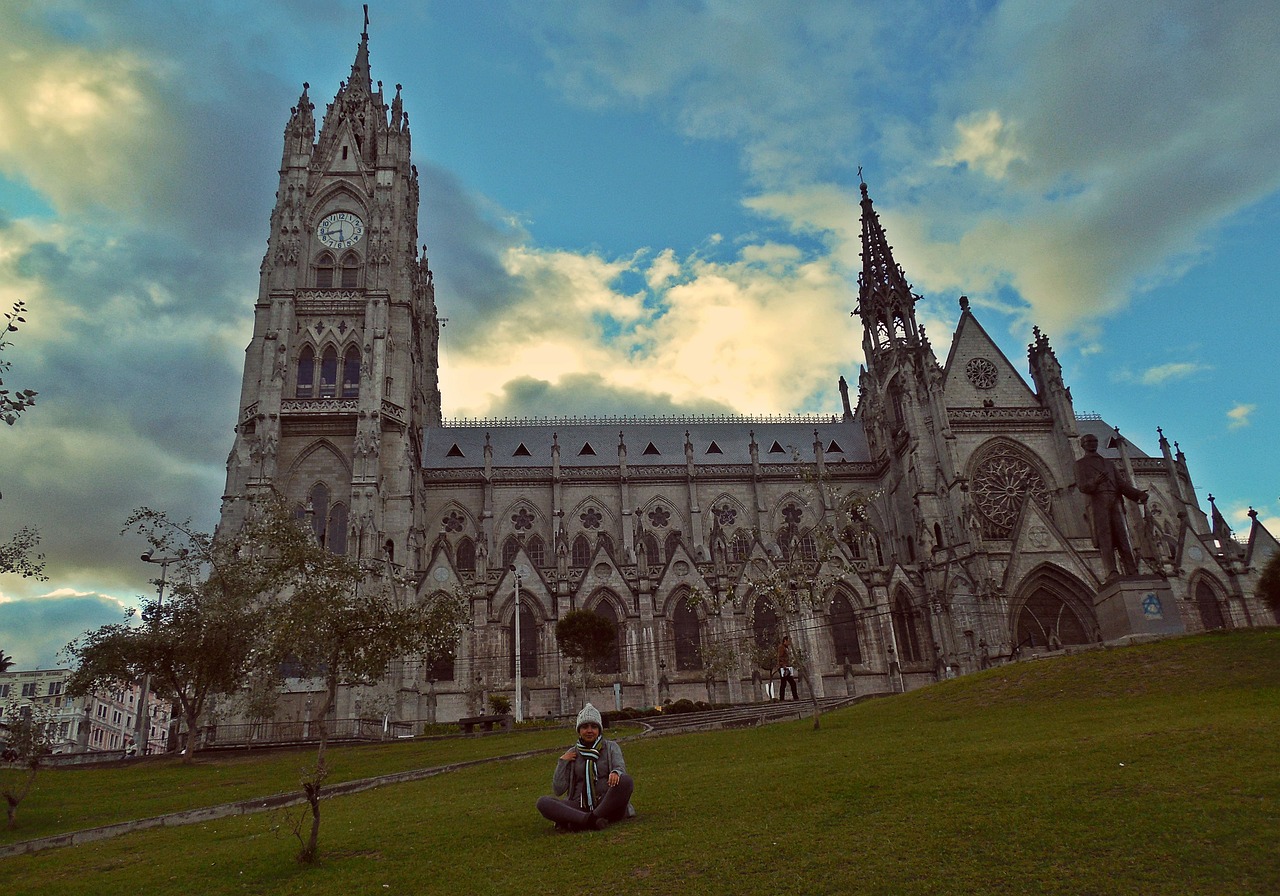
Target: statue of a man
(1098,478)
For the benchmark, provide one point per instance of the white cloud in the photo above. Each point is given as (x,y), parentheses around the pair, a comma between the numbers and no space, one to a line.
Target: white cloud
(76,123)
(1240,414)
(984,141)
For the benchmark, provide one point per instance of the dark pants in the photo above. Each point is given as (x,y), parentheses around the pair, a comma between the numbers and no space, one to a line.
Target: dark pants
(612,808)
(782,688)
(1111,533)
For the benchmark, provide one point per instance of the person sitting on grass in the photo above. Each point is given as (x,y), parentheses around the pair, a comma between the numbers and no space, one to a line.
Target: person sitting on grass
(592,777)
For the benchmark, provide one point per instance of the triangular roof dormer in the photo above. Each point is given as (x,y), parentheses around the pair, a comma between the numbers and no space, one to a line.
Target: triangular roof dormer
(344,152)
(1038,540)
(977,373)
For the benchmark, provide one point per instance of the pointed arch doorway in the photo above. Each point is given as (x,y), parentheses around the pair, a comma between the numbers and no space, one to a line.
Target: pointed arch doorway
(1053,610)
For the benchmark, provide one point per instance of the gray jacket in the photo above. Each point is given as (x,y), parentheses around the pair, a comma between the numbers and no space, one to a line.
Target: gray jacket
(571,774)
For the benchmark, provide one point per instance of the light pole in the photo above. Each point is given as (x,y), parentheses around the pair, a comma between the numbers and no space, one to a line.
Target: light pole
(519,696)
(142,736)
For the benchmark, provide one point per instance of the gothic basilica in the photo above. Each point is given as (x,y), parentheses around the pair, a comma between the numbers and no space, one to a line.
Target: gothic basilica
(979,545)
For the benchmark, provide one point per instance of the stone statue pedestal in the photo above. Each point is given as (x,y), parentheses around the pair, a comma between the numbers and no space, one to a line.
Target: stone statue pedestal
(1136,605)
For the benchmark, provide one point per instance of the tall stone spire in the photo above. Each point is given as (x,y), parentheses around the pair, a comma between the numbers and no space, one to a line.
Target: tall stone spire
(886,302)
(361,79)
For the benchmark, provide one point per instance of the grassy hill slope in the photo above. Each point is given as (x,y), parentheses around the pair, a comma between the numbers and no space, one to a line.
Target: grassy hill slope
(1150,769)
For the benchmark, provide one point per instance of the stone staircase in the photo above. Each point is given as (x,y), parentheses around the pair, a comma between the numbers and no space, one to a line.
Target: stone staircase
(746,715)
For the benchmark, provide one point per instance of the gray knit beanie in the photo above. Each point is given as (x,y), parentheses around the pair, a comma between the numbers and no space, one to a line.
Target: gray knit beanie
(590,714)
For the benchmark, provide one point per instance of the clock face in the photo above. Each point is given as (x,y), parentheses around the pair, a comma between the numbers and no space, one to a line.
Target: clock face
(340,230)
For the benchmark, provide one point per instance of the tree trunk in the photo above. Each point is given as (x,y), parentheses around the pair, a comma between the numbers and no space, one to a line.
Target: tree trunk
(803,669)
(312,783)
(13,797)
(192,719)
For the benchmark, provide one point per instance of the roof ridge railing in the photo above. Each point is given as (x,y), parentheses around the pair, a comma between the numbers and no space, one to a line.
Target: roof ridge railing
(687,419)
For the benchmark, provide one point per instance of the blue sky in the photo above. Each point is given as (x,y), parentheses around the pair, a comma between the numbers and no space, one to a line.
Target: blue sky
(631,207)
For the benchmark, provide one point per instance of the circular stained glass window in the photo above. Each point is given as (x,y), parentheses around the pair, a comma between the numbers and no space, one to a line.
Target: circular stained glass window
(1003,480)
(981,372)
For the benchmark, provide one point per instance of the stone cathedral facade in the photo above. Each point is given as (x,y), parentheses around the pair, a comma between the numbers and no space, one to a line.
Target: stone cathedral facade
(976,548)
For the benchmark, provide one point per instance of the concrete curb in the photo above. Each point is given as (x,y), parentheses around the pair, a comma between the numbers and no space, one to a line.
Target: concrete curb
(247,807)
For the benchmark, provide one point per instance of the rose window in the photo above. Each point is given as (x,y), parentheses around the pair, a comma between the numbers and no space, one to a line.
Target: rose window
(659,517)
(981,372)
(792,514)
(452,522)
(1002,482)
(591,518)
(522,519)
(726,515)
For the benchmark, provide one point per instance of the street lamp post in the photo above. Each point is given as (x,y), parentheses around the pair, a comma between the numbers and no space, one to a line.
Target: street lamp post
(519,696)
(142,734)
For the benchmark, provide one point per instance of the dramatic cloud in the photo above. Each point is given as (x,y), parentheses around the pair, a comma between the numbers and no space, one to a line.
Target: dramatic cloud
(34,630)
(1053,162)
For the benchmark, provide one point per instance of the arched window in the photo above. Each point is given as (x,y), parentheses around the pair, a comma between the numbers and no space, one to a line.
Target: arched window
(844,631)
(581,551)
(324,271)
(439,667)
(336,529)
(306,386)
(808,547)
(670,545)
(740,549)
(329,372)
(612,663)
(351,373)
(904,630)
(651,550)
(785,537)
(1207,603)
(684,622)
(328,522)
(466,555)
(528,643)
(764,625)
(319,498)
(350,270)
(537,551)
(510,548)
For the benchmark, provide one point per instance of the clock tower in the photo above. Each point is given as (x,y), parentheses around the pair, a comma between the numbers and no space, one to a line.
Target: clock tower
(341,374)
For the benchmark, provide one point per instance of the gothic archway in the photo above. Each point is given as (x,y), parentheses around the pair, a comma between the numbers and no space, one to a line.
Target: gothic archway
(687,634)
(603,606)
(1209,606)
(843,624)
(1053,610)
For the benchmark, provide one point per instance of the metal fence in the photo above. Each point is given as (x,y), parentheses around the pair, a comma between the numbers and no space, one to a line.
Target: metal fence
(269,733)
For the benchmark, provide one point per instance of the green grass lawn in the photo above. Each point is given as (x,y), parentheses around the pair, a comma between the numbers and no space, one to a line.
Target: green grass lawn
(1145,770)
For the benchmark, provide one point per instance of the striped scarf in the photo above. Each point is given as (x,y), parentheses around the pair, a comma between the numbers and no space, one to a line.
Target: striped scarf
(591,755)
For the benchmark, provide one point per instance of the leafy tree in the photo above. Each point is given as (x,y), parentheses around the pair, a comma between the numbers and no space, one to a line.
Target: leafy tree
(16,555)
(6,662)
(28,742)
(197,640)
(12,404)
(1269,582)
(587,638)
(332,618)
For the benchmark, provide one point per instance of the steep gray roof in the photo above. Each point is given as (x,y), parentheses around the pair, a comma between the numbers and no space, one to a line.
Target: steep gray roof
(649,442)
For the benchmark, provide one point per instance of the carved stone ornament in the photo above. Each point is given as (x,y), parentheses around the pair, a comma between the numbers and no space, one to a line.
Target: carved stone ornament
(981,372)
(1002,482)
